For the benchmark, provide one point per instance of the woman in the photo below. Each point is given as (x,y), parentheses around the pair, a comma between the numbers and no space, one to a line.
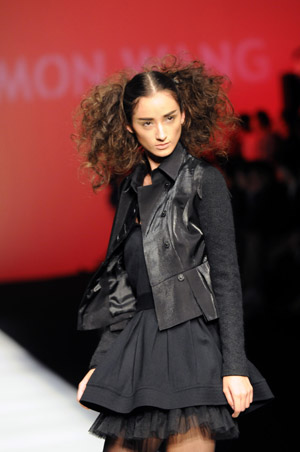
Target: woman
(170,371)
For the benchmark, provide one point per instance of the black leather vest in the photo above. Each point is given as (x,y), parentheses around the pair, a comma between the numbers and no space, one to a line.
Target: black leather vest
(175,255)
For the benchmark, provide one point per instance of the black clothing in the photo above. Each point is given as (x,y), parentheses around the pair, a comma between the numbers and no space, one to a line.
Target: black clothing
(154,381)
(136,268)
(174,373)
(149,422)
(175,255)
(215,220)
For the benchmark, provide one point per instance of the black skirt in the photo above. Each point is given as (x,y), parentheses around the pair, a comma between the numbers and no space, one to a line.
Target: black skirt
(153,384)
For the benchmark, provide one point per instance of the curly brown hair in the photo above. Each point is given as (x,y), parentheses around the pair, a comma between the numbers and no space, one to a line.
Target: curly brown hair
(109,149)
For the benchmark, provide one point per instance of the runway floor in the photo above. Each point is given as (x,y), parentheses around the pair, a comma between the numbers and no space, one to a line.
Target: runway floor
(38,410)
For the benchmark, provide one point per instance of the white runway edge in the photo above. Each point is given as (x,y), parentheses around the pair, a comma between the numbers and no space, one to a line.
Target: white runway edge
(38,410)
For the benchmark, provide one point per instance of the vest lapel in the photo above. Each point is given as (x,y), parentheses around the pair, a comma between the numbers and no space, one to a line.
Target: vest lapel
(125,208)
(119,226)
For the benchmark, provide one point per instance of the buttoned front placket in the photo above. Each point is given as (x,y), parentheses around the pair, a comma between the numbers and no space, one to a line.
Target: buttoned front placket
(149,197)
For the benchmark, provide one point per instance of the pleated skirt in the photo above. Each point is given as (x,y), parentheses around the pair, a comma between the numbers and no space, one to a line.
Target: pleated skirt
(155,384)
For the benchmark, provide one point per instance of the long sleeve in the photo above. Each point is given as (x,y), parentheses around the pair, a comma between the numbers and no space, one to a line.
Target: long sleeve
(217,224)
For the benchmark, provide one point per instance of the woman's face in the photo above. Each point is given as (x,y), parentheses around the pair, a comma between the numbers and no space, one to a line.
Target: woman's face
(157,123)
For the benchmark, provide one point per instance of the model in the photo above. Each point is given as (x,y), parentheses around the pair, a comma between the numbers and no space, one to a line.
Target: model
(170,371)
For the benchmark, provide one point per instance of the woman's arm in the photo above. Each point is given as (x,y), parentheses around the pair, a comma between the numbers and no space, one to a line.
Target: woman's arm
(217,224)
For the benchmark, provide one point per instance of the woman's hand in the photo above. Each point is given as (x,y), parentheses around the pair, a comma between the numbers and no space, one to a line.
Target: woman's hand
(238,392)
(82,386)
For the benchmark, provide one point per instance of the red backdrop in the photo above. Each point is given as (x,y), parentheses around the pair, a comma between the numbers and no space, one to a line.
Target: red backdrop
(52,223)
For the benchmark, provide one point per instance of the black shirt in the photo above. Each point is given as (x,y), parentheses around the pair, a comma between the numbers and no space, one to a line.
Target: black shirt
(135,265)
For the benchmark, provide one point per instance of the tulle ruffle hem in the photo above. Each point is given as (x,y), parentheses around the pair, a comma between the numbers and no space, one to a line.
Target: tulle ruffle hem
(214,422)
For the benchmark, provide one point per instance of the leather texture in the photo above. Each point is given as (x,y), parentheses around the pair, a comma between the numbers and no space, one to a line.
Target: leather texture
(174,250)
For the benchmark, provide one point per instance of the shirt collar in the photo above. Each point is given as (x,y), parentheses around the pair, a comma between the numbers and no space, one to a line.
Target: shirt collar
(172,163)
(170,166)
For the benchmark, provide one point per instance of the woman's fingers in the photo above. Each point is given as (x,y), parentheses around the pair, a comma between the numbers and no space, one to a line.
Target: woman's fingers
(81,389)
(251,394)
(238,392)
(82,386)
(249,397)
(229,397)
(233,401)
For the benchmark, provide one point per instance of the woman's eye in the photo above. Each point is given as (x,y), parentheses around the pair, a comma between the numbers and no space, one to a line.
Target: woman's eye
(146,123)
(170,118)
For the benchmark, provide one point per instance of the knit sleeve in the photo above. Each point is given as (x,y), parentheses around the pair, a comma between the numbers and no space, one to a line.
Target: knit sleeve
(217,224)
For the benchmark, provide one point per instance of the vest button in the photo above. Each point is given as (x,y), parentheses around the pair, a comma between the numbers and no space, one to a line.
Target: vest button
(167,244)
(167,184)
(163,214)
(180,277)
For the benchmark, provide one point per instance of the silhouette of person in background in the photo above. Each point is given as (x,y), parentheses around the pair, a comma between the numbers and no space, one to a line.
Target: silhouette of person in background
(256,139)
(291,95)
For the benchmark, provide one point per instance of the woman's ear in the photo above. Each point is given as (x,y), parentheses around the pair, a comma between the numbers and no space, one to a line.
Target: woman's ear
(129,128)
(182,117)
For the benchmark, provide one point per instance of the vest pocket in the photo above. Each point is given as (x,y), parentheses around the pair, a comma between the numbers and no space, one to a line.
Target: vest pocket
(204,273)
(200,282)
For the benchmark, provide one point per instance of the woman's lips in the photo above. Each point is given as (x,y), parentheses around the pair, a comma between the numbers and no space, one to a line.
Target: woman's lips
(162,146)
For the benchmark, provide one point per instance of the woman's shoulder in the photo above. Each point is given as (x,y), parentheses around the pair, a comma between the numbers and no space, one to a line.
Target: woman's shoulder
(211,174)
(213,179)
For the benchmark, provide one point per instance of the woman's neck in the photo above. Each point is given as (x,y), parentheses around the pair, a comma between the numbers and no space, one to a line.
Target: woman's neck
(152,163)
(153,160)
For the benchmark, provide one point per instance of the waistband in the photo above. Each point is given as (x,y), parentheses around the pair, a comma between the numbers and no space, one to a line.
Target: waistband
(145,301)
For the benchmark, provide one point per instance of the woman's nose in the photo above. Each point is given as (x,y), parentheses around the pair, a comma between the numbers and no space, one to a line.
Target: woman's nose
(160,133)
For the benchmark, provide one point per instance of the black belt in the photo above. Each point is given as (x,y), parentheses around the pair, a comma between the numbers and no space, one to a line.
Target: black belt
(145,301)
